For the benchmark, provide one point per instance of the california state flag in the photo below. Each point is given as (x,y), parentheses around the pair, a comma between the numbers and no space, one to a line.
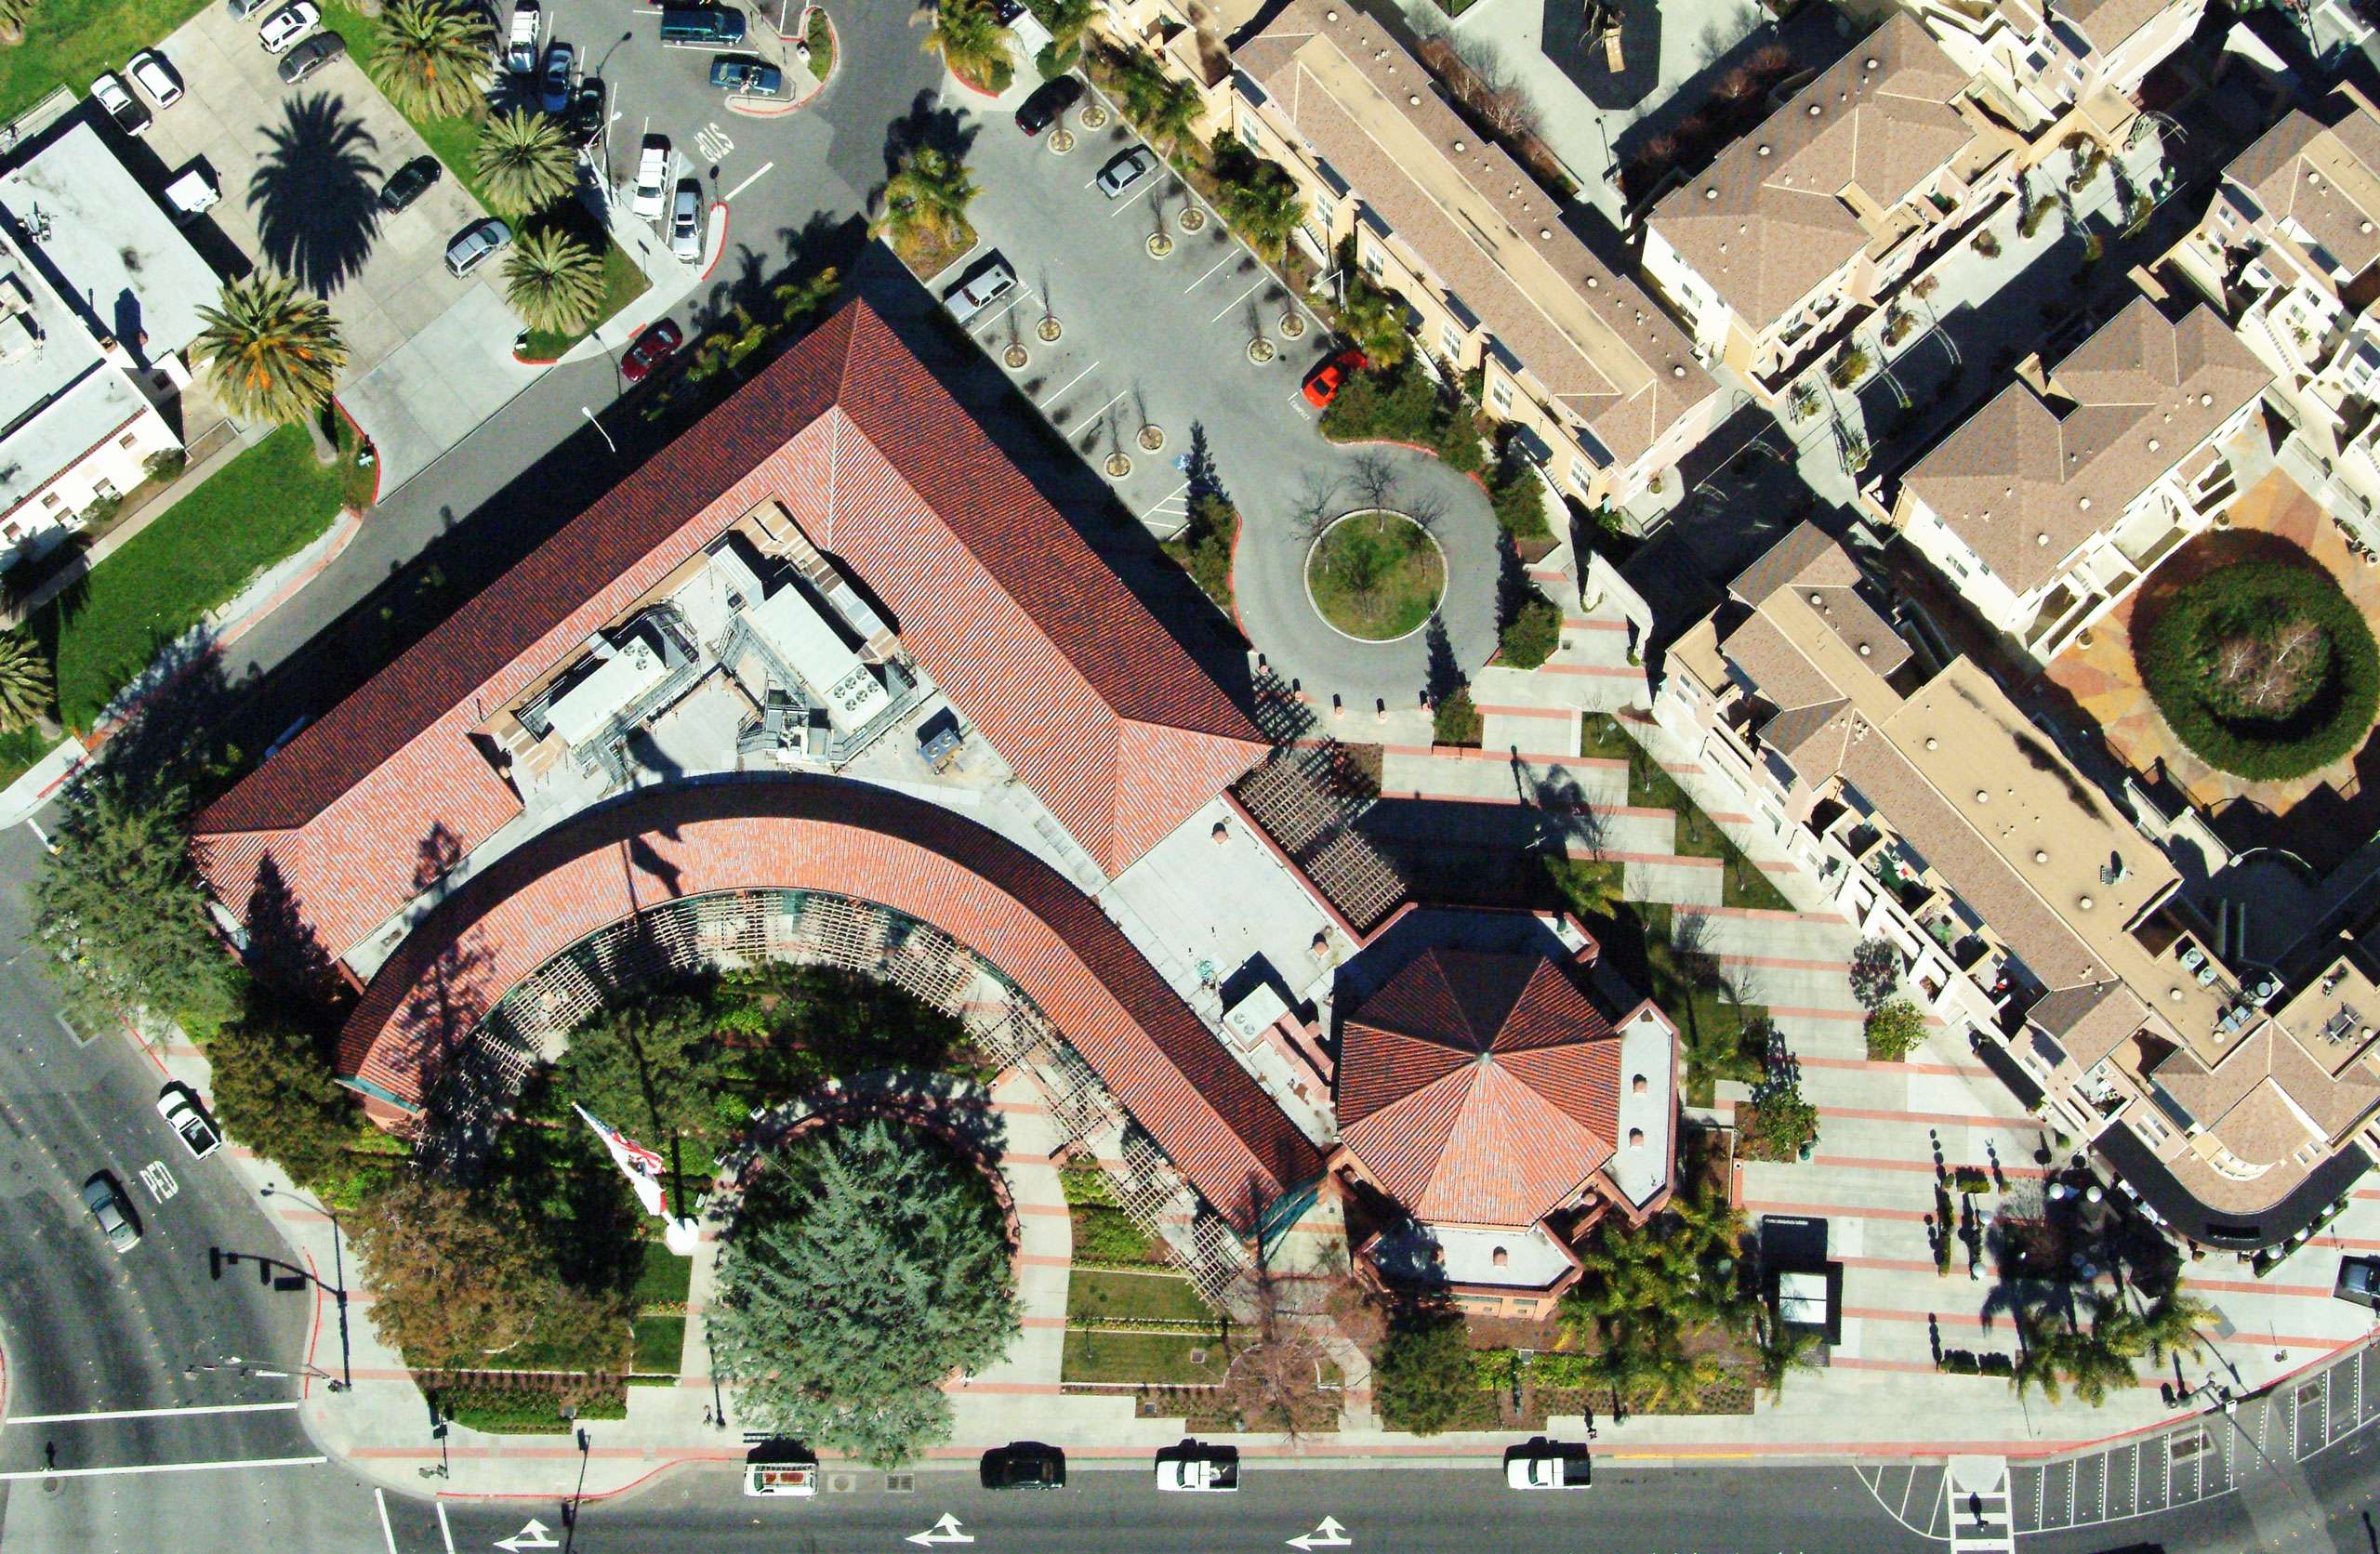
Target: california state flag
(643,1165)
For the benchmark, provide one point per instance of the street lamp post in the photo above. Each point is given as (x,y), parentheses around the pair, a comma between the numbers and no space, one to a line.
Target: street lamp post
(339,1272)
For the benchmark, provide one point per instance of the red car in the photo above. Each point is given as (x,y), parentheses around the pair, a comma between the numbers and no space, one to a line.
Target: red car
(1322,384)
(651,350)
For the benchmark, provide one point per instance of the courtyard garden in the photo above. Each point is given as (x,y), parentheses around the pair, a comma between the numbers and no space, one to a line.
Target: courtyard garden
(1376,575)
(2263,668)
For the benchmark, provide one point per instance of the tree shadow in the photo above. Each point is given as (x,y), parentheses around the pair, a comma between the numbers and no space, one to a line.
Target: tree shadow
(314,194)
(927,125)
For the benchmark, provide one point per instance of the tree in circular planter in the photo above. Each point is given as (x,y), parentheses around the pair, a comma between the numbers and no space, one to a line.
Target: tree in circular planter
(2263,668)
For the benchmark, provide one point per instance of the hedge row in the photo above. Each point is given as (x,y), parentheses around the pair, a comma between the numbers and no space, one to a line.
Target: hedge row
(2175,657)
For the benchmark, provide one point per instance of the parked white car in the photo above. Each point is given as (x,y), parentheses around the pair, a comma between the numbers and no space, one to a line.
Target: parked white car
(110,92)
(285,27)
(652,179)
(179,1108)
(156,77)
(686,222)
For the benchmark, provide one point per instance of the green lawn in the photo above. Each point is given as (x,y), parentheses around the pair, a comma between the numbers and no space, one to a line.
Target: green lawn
(1103,1294)
(1158,1359)
(660,1344)
(68,41)
(19,750)
(664,1278)
(1103,1234)
(263,506)
(1376,576)
(1744,883)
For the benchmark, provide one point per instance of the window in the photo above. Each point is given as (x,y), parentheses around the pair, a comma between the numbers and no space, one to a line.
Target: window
(1580,476)
(1325,210)
(49,498)
(1371,263)
(1248,129)
(1450,342)
(101,490)
(127,440)
(1500,394)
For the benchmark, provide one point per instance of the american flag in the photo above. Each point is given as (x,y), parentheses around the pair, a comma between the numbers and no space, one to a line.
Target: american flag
(643,1165)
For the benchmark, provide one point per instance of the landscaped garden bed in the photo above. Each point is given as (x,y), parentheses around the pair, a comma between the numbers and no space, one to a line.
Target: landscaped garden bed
(2263,668)
(1376,575)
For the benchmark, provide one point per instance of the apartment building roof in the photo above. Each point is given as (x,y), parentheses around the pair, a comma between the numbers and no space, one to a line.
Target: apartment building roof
(2103,23)
(2027,478)
(2320,172)
(1110,723)
(1480,1090)
(2266,1098)
(1605,354)
(1792,202)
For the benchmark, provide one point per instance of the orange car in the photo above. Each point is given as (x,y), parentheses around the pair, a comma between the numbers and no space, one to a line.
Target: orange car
(1322,384)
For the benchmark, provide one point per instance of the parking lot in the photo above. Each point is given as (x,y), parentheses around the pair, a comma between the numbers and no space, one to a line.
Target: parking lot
(1162,342)
(300,168)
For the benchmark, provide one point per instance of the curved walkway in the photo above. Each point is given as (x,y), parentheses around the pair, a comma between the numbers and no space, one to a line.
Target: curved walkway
(1269,574)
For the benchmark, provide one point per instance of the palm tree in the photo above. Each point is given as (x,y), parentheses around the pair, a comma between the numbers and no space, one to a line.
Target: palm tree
(273,353)
(1141,83)
(1171,113)
(13,15)
(524,161)
(930,193)
(797,300)
(2039,1350)
(1783,1350)
(432,58)
(972,42)
(2172,1323)
(1373,317)
(553,280)
(1067,20)
(24,683)
(1266,209)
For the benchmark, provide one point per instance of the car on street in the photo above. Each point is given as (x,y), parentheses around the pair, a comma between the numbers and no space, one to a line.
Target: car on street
(113,1211)
(652,178)
(409,183)
(1126,169)
(1025,1465)
(990,280)
(2359,1281)
(587,112)
(1322,384)
(744,78)
(156,76)
(651,350)
(286,25)
(1543,1464)
(310,57)
(686,222)
(1049,100)
(560,59)
(179,1107)
(1196,1469)
(473,244)
(110,92)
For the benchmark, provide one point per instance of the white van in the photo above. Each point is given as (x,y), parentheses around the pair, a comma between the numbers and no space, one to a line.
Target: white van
(192,196)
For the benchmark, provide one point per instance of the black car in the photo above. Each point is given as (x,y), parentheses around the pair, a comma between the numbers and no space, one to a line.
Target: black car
(408,183)
(1025,1465)
(587,109)
(310,57)
(2359,1281)
(1049,99)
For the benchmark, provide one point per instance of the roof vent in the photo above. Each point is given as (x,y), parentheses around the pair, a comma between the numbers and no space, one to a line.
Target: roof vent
(2084,503)
(2174,994)
(1933,744)
(1763,150)
(1868,64)
(1865,650)
(2040,857)
(2205,400)
(1546,232)
(1983,795)
(1635,1138)
(2364,226)
(2084,902)
(1222,831)
(2152,444)
(1712,193)
(1499,1256)
(1639,1085)
(1816,599)
(1677,369)
(1815,110)
(2041,539)
(1593,283)
(1412,99)
(1330,15)
(1459,146)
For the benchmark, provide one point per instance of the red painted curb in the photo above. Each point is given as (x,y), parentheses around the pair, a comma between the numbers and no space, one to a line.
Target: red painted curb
(979,91)
(378,467)
(725,228)
(1416,447)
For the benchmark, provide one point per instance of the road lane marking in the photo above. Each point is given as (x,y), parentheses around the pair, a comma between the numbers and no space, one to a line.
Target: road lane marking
(712,142)
(1070,383)
(1202,280)
(155,1413)
(443,1531)
(747,182)
(388,1534)
(29,1474)
(1243,296)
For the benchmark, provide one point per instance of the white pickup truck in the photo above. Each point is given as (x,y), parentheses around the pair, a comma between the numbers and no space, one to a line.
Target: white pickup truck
(1545,1465)
(520,52)
(1198,1470)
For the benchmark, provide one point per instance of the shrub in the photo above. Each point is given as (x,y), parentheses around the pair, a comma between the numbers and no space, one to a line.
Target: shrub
(1459,445)
(1519,498)
(1987,244)
(1972,1178)
(1777,1123)
(2030,220)
(1875,971)
(1422,1370)
(1895,1029)
(165,463)
(1204,547)
(1530,637)
(1456,720)
(1053,61)
(2263,668)
(1400,404)
(1848,368)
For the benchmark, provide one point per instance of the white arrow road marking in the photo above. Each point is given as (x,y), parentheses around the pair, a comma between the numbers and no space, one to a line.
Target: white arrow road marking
(944,1531)
(159,1182)
(532,1536)
(1329,1535)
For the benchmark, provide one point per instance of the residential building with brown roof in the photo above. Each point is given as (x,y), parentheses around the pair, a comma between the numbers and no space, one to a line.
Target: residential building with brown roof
(2052,501)
(2289,252)
(1601,384)
(2079,62)
(1820,214)
(2031,915)
(1496,1111)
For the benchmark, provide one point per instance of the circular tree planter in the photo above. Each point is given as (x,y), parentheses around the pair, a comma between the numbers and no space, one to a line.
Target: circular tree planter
(1375,576)
(1016,356)
(1292,325)
(1160,246)
(1152,438)
(1049,329)
(1062,140)
(1191,218)
(2262,667)
(1093,114)
(1260,350)
(1118,466)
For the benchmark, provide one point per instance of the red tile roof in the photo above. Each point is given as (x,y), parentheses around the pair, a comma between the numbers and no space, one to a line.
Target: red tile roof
(1006,607)
(1479,1089)
(822,834)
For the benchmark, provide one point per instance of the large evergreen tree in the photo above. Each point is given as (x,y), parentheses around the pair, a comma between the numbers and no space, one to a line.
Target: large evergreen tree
(855,1281)
(1423,1374)
(455,1274)
(273,1091)
(119,901)
(654,1069)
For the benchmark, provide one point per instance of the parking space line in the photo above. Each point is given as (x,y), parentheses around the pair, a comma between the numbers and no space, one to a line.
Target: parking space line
(1243,296)
(1069,384)
(380,1498)
(1093,419)
(1164,499)
(1218,265)
(444,1531)
(1123,205)
(1023,297)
